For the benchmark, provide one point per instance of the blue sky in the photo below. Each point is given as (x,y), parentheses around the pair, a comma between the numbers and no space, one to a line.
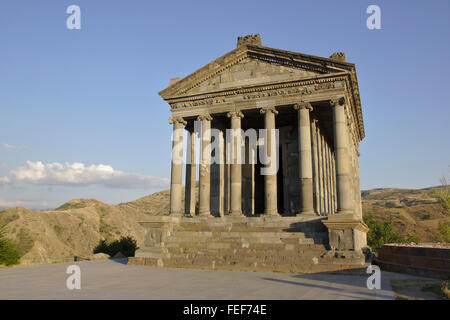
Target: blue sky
(89,96)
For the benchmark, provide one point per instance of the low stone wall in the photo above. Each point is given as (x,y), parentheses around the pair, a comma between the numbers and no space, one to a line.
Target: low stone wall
(421,260)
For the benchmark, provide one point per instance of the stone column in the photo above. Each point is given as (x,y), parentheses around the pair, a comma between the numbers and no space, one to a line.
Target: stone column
(177,166)
(325,176)
(236,166)
(315,166)
(205,163)
(249,179)
(270,180)
(344,204)
(333,174)
(330,194)
(191,174)
(305,158)
(217,171)
(319,158)
(346,231)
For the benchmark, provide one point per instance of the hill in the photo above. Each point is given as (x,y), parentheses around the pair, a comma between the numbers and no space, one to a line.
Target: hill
(412,211)
(76,227)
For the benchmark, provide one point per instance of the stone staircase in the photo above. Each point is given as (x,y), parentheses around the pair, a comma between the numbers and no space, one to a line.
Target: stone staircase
(279,244)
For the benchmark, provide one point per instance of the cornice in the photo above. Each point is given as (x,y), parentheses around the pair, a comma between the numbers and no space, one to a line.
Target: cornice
(316,64)
(328,70)
(309,85)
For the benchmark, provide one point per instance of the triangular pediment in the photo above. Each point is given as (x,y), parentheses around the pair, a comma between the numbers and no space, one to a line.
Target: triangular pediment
(253,65)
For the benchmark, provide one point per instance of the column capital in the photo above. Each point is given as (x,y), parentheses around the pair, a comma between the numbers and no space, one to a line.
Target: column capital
(176,120)
(303,105)
(339,101)
(205,116)
(265,110)
(235,114)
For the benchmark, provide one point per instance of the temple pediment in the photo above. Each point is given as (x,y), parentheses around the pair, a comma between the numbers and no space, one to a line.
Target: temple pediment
(250,65)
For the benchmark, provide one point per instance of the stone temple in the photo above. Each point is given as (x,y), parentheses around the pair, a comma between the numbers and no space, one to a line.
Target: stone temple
(306,215)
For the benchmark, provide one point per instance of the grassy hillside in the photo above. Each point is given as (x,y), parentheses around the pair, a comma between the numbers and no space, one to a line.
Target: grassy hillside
(76,227)
(414,212)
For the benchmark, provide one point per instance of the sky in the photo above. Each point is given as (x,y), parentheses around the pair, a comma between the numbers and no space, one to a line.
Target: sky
(81,116)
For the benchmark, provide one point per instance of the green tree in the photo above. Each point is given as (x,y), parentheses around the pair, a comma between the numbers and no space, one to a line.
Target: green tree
(126,245)
(9,255)
(383,233)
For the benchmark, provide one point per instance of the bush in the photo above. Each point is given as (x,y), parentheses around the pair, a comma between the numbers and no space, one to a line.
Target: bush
(126,245)
(444,230)
(443,195)
(383,232)
(9,255)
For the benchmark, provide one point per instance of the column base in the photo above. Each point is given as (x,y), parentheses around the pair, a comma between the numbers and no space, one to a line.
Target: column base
(236,214)
(272,213)
(346,232)
(306,213)
(176,214)
(205,214)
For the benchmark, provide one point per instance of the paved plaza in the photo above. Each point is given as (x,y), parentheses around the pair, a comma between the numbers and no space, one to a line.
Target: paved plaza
(109,279)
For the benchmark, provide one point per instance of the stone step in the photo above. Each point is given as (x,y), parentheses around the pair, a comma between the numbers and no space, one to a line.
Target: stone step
(239,234)
(258,264)
(328,265)
(242,252)
(233,228)
(188,247)
(150,252)
(238,242)
(250,225)
(208,256)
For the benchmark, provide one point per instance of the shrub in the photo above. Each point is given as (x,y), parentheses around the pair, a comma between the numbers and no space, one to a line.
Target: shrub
(383,232)
(126,245)
(444,230)
(443,195)
(9,255)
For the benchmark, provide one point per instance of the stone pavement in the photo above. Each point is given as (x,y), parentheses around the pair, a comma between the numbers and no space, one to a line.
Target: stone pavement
(114,279)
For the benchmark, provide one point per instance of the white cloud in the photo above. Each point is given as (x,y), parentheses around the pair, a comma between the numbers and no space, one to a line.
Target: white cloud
(28,203)
(77,174)
(11,147)
(9,204)
(4,180)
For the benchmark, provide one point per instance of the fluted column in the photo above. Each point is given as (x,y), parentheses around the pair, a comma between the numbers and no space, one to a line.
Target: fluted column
(177,166)
(270,178)
(333,190)
(315,165)
(321,180)
(205,163)
(342,157)
(191,172)
(305,158)
(236,167)
(325,174)
(328,179)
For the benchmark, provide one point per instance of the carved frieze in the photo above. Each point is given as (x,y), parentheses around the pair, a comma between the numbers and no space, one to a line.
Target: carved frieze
(272,90)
